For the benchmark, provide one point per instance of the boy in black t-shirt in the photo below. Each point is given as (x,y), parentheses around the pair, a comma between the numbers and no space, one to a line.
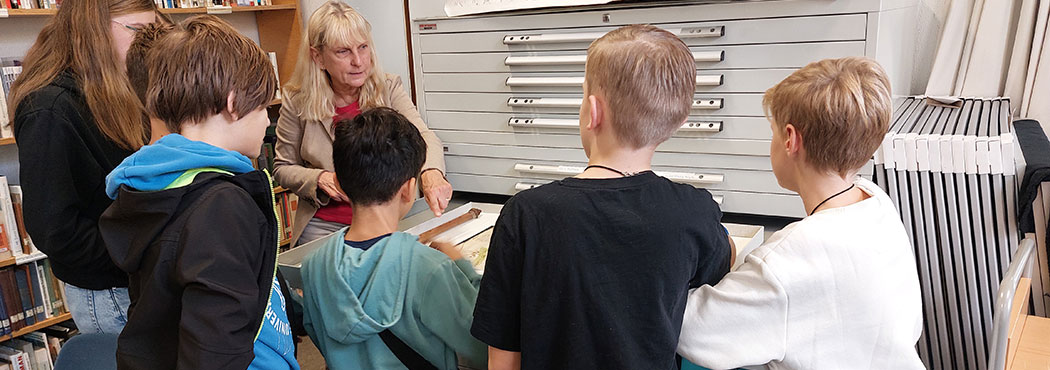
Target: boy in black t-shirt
(592,272)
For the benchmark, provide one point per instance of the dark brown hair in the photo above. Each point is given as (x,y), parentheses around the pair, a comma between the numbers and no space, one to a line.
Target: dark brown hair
(195,67)
(78,39)
(138,69)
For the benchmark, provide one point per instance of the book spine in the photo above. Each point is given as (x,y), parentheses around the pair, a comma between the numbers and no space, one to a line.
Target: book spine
(10,226)
(12,299)
(25,294)
(5,320)
(45,289)
(38,293)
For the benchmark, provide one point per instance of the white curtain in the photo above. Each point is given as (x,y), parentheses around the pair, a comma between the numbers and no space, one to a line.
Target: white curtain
(992,48)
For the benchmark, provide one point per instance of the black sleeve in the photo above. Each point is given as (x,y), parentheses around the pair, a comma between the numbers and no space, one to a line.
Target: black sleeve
(218,266)
(715,252)
(497,313)
(58,173)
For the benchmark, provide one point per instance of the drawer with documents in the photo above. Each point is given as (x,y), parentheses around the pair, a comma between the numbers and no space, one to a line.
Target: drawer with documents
(708,178)
(726,161)
(754,128)
(504,89)
(680,145)
(707,57)
(730,201)
(747,31)
(724,80)
(713,103)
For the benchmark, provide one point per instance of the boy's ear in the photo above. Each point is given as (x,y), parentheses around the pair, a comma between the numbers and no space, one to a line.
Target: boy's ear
(230,108)
(597,111)
(792,139)
(407,193)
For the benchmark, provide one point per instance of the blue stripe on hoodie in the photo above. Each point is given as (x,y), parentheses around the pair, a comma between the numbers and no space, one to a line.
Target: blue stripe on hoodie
(155,166)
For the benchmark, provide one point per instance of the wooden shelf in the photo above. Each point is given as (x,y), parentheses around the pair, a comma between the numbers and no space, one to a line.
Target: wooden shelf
(275,102)
(279,189)
(7,141)
(40,325)
(286,242)
(31,12)
(235,9)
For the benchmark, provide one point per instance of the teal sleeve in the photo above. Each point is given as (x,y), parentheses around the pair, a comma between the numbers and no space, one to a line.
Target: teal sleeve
(449,300)
(468,270)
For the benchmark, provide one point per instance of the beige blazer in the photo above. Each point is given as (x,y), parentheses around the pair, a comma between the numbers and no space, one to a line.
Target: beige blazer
(304,151)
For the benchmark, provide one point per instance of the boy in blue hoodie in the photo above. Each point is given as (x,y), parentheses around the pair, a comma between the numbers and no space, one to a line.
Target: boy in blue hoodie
(193,223)
(375,298)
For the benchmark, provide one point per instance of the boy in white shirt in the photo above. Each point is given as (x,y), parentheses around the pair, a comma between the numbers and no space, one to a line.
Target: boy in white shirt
(838,289)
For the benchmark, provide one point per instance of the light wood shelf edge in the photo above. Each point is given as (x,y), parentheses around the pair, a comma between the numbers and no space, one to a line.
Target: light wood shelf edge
(235,9)
(7,141)
(40,325)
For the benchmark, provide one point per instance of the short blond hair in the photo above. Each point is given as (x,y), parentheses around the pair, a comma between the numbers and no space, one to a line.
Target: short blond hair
(333,24)
(841,107)
(648,77)
(194,68)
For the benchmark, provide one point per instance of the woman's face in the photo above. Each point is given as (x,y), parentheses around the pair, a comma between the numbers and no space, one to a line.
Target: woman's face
(349,66)
(122,30)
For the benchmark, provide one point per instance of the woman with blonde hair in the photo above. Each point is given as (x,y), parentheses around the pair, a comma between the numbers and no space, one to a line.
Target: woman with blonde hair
(76,117)
(337,77)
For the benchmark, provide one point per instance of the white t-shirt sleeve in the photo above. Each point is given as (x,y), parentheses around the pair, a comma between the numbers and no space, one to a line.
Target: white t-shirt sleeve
(741,321)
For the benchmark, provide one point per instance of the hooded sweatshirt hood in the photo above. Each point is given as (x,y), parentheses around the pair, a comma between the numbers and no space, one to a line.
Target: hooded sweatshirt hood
(155,167)
(369,295)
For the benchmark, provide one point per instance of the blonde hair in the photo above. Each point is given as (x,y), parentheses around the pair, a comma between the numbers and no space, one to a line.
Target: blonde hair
(194,68)
(334,23)
(648,77)
(78,39)
(841,107)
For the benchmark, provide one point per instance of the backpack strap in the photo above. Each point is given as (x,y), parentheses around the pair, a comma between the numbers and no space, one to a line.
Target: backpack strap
(408,356)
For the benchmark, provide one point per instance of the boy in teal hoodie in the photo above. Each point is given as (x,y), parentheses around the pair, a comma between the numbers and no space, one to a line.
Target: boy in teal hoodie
(193,223)
(369,279)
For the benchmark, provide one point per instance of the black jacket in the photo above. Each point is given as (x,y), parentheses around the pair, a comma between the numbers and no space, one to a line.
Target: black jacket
(201,260)
(63,162)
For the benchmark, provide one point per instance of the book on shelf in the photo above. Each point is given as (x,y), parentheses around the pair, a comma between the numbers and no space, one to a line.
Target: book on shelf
(16,205)
(17,359)
(273,60)
(8,220)
(29,294)
(10,71)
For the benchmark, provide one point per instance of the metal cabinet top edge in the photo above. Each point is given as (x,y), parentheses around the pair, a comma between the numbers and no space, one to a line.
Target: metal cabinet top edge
(669,12)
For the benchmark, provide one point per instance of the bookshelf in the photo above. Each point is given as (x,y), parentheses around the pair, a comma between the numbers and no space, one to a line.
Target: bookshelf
(7,141)
(279,26)
(40,325)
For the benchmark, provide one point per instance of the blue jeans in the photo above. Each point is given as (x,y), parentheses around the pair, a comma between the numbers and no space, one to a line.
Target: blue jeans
(98,311)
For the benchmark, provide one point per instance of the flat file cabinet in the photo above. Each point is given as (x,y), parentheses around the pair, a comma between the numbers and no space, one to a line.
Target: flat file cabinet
(503,91)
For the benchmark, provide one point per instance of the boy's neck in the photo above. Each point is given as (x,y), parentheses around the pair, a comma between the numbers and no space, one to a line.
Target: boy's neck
(373,221)
(214,130)
(823,187)
(623,159)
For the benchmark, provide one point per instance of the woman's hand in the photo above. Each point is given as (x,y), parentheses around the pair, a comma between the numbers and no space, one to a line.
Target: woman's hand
(328,184)
(436,190)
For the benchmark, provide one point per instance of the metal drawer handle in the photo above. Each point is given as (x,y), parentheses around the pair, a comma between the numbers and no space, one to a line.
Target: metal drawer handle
(708,103)
(684,177)
(704,103)
(702,126)
(701,80)
(696,126)
(555,38)
(555,60)
(525,186)
(545,102)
